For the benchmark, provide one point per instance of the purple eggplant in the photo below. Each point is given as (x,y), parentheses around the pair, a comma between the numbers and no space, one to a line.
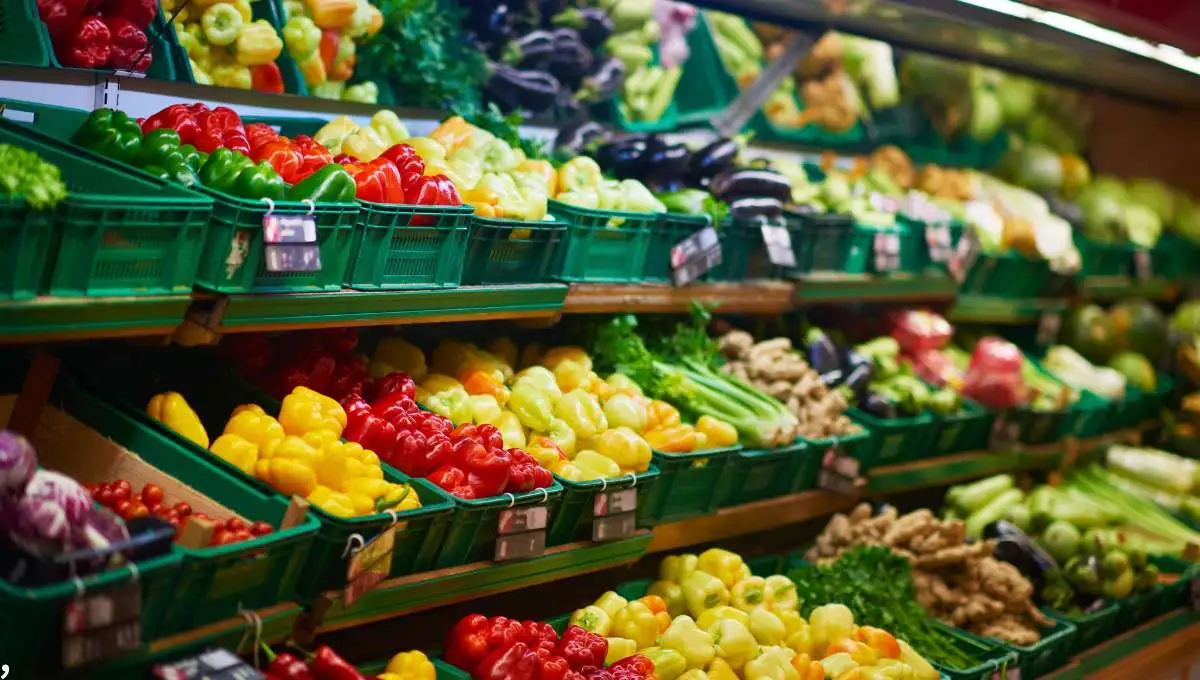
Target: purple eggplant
(857,379)
(593,24)
(822,354)
(531,50)
(880,406)
(18,462)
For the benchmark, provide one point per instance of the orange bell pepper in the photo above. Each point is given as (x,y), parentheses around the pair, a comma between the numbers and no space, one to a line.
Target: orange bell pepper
(673,439)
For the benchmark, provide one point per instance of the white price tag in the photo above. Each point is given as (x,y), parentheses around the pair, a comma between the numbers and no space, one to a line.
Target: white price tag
(614,502)
(291,243)
(520,546)
(695,255)
(99,626)
(965,255)
(614,527)
(1142,267)
(937,239)
(517,520)
(779,245)
(839,473)
(887,251)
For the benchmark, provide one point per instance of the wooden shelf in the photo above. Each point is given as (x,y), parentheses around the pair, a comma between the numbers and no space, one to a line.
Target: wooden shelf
(1167,647)
(750,518)
(848,288)
(48,319)
(751,297)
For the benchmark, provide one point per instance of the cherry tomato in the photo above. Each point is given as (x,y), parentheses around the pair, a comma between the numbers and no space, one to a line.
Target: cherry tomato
(105,496)
(122,489)
(138,510)
(183,509)
(175,524)
(261,528)
(242,535)
(152,494)
(123,508)
(221,537)
(91,489)
(202,515)
(154,507)
(236,524)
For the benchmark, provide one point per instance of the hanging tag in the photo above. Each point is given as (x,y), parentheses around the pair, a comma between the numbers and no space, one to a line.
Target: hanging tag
(291,243)
(370,565)
(695,255)
(964,256)
(1142,268)
(779,245)
(520,546)
(615,514)
(517,520)
(102,625)
(887,251)
(839,473)
(937,238)
(614,527)
(615,502)
(1005,433)
(213,664)
(1049,324)
(521,533)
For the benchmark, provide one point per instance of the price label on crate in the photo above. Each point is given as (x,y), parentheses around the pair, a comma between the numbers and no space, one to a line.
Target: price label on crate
(779,245)
(102,625)
(1049,324)
(1142,267)
(887,251)
(964,256)
(517,520)
(1005,433)
(520,546)
(937,239)
(615,514)
(291,243)
(615,502)
(213,664)
(614,527)
(521,533)
(369,565)
(695,255)
(839,472)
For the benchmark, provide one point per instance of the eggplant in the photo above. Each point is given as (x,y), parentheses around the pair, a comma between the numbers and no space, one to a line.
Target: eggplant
(754,208)
(593,24)
(858,379)
(604,83)
(572,60)
(852,359)
(735,183)
(880,406)
(532,49)
(822,354)
(512,88)
(493,22)
(713,159)
(1016,548)
(577,136)
(664,165)
(625,158)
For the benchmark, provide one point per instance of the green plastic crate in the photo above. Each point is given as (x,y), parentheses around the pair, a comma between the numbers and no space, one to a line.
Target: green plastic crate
(758,474)
(1093,628)
(408,246)
(829,244)
(893,440)
(31,628)
(444,670)
(1161,397)
(966,430)
(1139,608)
(920,229)
(1045,656)
(23,37)
(501,251)
(687,485)
(59,122)
(1104,259)
(994,659)
(119,233)
(743,254)
(572,517)
(854,446)
(603,246)
(213,392)
(26,240)
(1008,275)
(670,230)
(705,88)
(215,583)
(1177,593)
(1089,416)
(1127,411)
(471,536)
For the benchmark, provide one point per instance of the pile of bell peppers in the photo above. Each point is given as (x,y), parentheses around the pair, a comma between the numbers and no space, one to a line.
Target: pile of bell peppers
(322,37)
(412,665)
(500,648)
(708,618)
(226,45)
(574,423)
(105,34)
(324,664)
(383,416)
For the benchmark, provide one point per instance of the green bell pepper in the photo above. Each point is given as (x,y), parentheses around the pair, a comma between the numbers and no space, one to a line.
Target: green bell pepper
(194,158)
(158,146)
(220,171)
(330,184)
(110,133)
(259,181)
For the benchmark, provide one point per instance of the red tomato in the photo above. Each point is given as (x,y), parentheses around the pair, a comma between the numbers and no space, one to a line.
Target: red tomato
(138,510)
(242,535)
(105,496)
(123,507)
(152,494)
(155,508)
(261,528)
(91,489)
(137,498)
(122,489)
(183,509)
(221,537)
(236,524)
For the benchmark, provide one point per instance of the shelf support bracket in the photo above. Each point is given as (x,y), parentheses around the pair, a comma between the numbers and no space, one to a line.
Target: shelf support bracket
(734,117)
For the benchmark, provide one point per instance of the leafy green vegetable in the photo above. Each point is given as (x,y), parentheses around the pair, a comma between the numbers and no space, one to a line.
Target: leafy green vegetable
(877,586)
(422,52)
(507,129)
(694,202)
(23,173)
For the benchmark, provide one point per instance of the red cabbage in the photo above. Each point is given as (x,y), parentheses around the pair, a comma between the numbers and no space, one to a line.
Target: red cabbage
(17,462)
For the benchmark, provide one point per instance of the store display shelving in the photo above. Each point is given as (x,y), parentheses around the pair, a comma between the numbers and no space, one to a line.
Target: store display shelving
(836,289)
(55,318)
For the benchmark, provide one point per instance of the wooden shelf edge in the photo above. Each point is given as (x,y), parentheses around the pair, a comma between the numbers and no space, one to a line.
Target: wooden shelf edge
(1151,657)
(603,298)
(750,518)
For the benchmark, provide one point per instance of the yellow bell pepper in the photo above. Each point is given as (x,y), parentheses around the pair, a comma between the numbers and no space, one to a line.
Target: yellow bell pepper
(333,502)
(772,663)
(545,171)
(399,497)
(319,439)
(568,471)
(619,648)
(290,476)
(624,410)
(555,355)
(578,173)
(331,466)
(402,356)
(244,9)
(172,410)
(719,669)
(636,622)
(456,131)
(332,134)
(582,412)
(511,430)
(366,486)
(660,414)
(255,426)
(389,126)
(672,439)
(720,433)
(702,590)
(734,642)
(313,71)
(625,448)
(485,409)
(412,666)
(749,594)
(437,383)
(596,466)
(305,410)
(428,149)
(766,627)
(541,378)
(710,616)
(236,450)
(258,43)
(505,350)
(675,568)
(572,375)
(365,144)
(332,13)
(724,564)
(592,619)
(357,469)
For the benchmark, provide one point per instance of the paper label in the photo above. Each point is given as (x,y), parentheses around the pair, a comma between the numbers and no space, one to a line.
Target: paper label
(695,255)
(102,625)
(887,251)
(779,245)
(520,546)
(614,502)
(369,566)
(1142,268)
(291,243)
(937,239)
(614,527)
(517,520)
(214,664)
(965,255)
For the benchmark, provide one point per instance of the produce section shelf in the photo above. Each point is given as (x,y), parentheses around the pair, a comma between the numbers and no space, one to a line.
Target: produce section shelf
(981,309)
(1164,647)
(865,288)
(57,318)
(751,297)
(428,590)
(1106,289)
(749,518)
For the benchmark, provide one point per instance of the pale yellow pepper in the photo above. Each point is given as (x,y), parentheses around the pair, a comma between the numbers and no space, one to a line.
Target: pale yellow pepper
(172,410)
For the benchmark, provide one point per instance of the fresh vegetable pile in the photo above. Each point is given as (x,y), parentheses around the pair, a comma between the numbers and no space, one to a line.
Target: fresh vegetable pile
(322,36)
(110,34)
(118,496)
(957,582)
(708,617)
(227,46)
(324,664)
(24,174)
(894,391)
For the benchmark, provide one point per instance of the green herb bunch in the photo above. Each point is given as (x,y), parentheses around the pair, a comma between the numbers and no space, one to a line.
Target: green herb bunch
(24,174)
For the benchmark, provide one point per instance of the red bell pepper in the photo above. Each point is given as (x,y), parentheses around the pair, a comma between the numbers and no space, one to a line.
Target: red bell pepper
(313,156)
(431,423)
(266,78)
(181,118)
(581,648)
(249,354)
(139,12)
(432,190)
(475,636)
(259,134)
(594,673)
(420,456)
(283,156)
(337,340)
(636,667)
(551,666)
(453,481)
(376,182)
(221,127)
(319,367)
(540,636)
(399,411)
(408,162)
(464,431)
(487,471)
(396,383)
(327,665)
(490,436)
(344,159)
(517,662)
(350,375)
(362,426)
(287,666)
(525,474)
(328,47)
(88,45)
(61,16)
(129,45)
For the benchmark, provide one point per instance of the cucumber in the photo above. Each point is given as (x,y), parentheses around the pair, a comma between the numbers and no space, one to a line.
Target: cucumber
(971,497)
(994,511)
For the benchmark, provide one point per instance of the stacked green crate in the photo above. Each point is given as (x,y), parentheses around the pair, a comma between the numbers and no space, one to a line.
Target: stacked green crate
(602,246)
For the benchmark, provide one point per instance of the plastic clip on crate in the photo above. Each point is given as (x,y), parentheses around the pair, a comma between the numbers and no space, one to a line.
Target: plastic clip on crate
(502,251)
(688,485)
(574,513)
(408,246)
(603,246)
(473,531)
(670,230)
(215,583)
(118,233)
